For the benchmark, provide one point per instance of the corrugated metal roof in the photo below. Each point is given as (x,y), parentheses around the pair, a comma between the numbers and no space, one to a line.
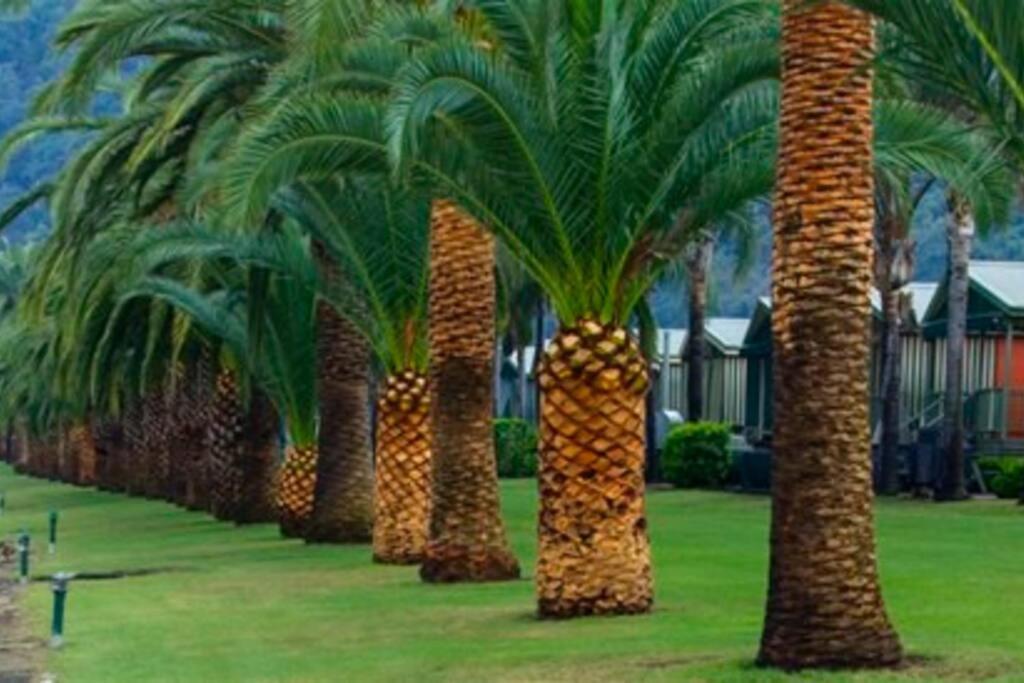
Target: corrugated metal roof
(921,295)
(1003,279)
(728,333)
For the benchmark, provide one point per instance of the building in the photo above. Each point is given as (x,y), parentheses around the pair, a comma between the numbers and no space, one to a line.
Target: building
(994,354)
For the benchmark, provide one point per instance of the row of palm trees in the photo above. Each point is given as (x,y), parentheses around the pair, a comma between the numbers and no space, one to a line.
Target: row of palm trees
(300,210)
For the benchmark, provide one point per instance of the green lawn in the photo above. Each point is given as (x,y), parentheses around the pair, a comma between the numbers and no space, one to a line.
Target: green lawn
(244,605)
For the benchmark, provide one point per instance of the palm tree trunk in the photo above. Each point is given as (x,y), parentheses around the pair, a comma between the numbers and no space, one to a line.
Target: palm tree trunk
(198,418)
(538,354)
(594,555)
(227,447)
(404,473)
(953,485)
(68,455)
(84,448)
(891,380)
(344,488)
(108,434)
(467,535)
(698,263)
(825,606)
(136,463)
(259,462)
(296,489)
(156,425)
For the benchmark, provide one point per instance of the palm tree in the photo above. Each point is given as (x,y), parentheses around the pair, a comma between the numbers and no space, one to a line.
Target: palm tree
(698,264)
(378,237)
(580,181)
(965,53)
(344,498)
(916,145)
(968,56)
(825,606)
(273,336)
(467,535)
(584,183)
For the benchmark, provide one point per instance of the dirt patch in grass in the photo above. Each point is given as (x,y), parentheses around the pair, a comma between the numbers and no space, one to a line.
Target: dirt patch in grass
(927,668)
(20,654)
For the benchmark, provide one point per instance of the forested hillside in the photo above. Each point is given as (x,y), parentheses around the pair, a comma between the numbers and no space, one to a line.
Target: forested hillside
(26,62)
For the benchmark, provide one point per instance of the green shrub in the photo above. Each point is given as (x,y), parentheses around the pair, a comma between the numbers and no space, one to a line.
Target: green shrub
(696,455)
(1004,476)
(515,444)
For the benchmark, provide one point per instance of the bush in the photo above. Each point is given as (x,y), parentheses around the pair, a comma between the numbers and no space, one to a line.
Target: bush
(696,455)
(1004,476)
(515,444)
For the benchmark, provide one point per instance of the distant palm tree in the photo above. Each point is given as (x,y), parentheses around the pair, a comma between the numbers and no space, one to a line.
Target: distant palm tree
(265,319)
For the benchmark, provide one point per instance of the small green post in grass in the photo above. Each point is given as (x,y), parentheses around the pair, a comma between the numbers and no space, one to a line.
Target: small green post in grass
(23,548)
(3,503)
(60,598)
(53,531)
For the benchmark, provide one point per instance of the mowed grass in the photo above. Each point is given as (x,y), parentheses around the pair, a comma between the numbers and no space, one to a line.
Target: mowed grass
(244,605)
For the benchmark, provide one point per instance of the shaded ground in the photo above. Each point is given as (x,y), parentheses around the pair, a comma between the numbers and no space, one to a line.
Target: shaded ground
(251,607)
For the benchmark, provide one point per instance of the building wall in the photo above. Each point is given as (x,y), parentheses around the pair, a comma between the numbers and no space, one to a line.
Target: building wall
(725,386)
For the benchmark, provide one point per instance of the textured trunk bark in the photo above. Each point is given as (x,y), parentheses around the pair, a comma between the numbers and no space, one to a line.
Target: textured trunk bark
(344,489)
(891,355)
(67,456)
(698,264)
(467,539)
(108,435)
(227,447)
(824,606)
(157,425)
(594,555)
(404,471)
(136,462)
(952,485)
(259,462)
(296,490)
(84,448)
(198,419)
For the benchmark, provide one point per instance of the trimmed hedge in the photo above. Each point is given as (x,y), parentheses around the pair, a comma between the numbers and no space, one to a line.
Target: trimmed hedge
(1004,476)
(515,444)
(696,455)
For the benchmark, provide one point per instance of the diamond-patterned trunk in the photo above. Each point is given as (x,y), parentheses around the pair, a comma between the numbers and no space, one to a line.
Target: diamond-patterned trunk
(194,436)
(824,607)
(296,487)
(403,471)
(227,449)
(467,540)
(157,427)
(594,553)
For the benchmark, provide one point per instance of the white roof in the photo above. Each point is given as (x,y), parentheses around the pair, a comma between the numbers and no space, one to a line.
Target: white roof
(729,333)
(1003,279)
(921,295)
(676,341)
